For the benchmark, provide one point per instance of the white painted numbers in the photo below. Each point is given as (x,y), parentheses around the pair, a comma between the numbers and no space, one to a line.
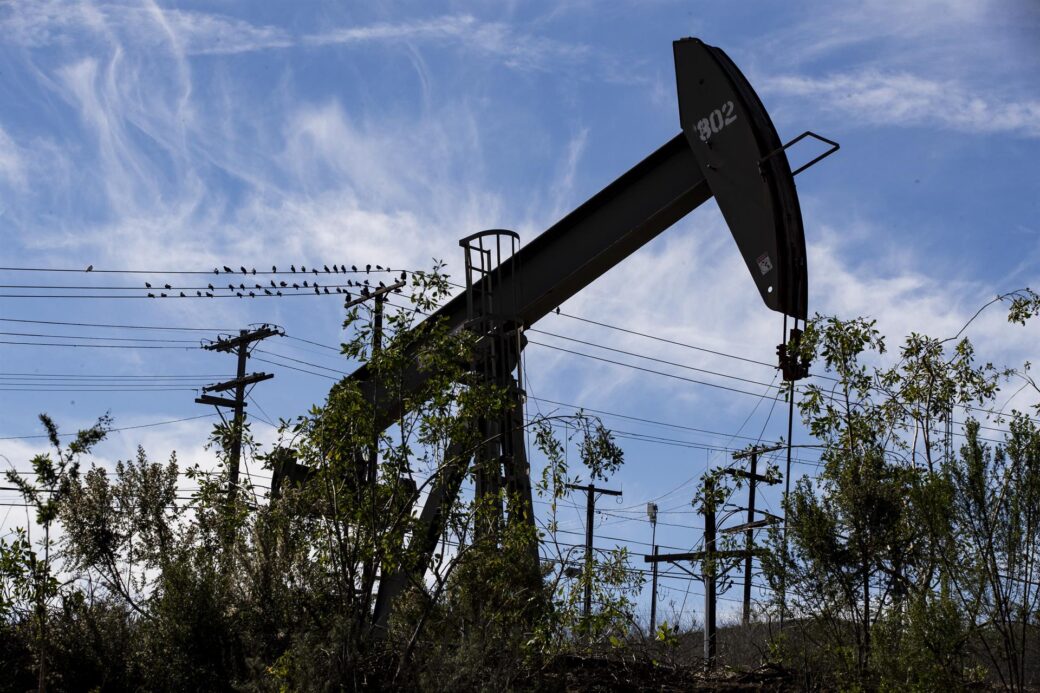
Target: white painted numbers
(716,120)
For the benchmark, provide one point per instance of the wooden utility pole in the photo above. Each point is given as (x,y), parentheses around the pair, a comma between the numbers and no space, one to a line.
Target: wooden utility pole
(240,346)
(590,517)
(651,511)
(751,525)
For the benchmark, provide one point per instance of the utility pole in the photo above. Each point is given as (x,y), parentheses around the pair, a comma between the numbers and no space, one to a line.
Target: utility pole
(749,528)
(710,559)
(590,517)
(240,346)
(651,511)
(709,569)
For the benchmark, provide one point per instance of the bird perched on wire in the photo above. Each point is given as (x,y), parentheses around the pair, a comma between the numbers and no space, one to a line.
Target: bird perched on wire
(368,268)
(239,294)
(209,295)
(316,290)
(162,295)
(243,270)
(326,289)
(252,295)
(167,286)
(379,267)
(182,295)
(147,285)
(274,269)
(296,286)
(353,268)
(252,270)
(404,275)
(90,268)
(327,270)
(273,285)
(268,292)
(283,284)
(302,268)
(151,295)
(293,268)
(210,287)
(305,283)
(228,269)
(199,294)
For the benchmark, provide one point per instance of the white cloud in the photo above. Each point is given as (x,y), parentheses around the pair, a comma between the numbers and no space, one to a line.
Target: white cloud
(12,166)
(903,99)
(515,49)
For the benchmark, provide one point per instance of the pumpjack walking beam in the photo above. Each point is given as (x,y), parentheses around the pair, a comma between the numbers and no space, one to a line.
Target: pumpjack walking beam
(728,148)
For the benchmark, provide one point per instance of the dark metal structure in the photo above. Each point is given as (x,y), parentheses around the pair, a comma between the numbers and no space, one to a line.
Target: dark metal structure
(728,148)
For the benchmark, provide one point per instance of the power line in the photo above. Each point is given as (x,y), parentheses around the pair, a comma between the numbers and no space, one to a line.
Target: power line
(114,326)
(97,346)
(114,430)
(215,272)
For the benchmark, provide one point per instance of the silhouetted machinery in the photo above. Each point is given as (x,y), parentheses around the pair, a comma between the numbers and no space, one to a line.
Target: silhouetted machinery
(728,149)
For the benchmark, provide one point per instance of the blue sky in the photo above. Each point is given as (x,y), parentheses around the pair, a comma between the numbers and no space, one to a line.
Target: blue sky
(185,136)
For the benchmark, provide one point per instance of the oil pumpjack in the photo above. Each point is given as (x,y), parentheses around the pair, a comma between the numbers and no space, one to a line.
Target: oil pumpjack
(728,149)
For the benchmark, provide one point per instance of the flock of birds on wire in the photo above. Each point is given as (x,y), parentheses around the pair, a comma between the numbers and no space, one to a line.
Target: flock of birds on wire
(242,290)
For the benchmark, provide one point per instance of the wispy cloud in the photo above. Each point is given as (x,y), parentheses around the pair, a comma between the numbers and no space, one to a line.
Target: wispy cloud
(516,49)
(12,168)
(904,99)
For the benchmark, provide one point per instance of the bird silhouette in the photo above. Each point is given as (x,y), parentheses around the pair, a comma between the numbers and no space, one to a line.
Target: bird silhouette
(252,270)
(228,269)
(314,270)
(350,283)
(199,294)
(364,291)
(295,285)
(404,275)
(326,289)
(208,294)
(242,286)
(210,287)
(267,291)
(278,292)
(353,268)
(379,267)
(305,283)
(163,295)
(239,294)
(243,270)
(302,268)
(252,295)
(273,284)
(167,286)
(151,295)
(368,268)
(382,285)
(293,268)
(335,268)
(182,295)
(327,270)
(283,284)
(216,271)
(348,294)
(147,285)
(273,268)
(316,290)
(90,268)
